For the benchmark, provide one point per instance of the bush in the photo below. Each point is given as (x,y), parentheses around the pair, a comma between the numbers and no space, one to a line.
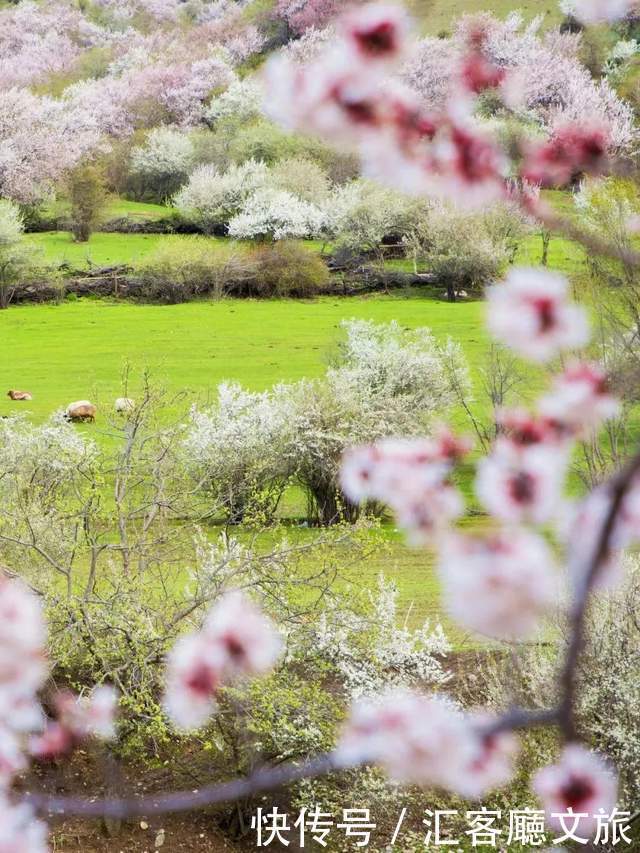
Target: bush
(196,267)
(387,381)
(463,251)
(363,215)
(253,200)
(240,102)
(179,271)
(302,177)
(273,214)
(286,269)
(241,450)
(606,207)
(264,141)
(87,196)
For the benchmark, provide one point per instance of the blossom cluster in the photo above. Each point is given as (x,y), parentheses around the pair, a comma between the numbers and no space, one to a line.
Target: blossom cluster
(25,731)
(153,75)
(236,640)
(503,583)
(427,740)
(542,81)
(597,11)
(350,94)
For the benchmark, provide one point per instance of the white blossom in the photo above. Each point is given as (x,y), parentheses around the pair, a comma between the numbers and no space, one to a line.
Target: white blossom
(276,214)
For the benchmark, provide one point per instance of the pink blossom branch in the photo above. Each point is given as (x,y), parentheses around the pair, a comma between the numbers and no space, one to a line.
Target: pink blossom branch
(270,778)
(618,487)
(264,779)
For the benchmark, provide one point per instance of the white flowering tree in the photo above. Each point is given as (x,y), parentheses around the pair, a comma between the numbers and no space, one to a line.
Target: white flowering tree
(210,199)
(241,450)
(240,102)
(274,214)
(362,214)
(164,161)
(387,382)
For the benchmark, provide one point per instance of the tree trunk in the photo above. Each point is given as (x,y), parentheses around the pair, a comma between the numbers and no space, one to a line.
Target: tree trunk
(546,239)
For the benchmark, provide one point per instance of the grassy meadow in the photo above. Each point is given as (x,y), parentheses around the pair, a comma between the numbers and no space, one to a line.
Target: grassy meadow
(439,16)
(78,349)
(81,348)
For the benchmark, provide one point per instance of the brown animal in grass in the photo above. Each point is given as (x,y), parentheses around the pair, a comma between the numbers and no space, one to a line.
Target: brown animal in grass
(19,395)
(81,410)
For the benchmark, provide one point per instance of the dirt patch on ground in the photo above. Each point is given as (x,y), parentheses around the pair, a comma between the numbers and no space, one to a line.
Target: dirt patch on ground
(195,833)
(84,776)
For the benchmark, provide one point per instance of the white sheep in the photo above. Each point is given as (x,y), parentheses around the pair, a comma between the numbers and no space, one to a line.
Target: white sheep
(124,405)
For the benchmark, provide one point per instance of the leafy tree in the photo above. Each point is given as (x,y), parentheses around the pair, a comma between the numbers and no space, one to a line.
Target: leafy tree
(87,195)
(16,255)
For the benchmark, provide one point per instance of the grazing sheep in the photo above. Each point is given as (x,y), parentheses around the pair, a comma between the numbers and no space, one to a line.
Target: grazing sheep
(81,410)
(124,405)
(19,395)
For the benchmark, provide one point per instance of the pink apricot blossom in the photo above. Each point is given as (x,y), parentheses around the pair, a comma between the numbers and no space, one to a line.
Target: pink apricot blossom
(597,11)
(236,640)
(519,485)
(499,585)
(580,397)
(416,738)
(523,429)
(579,782)
(378,32)
(427,740)
(412,477)
(20,831)
(573,150)
(531,313)
(492,765)
(77,718)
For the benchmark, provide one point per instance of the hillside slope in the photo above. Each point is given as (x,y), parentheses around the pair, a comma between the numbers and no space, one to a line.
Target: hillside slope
(436,16)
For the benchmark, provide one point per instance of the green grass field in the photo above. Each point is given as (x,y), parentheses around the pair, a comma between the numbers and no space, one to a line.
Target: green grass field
(104,249)
(57,248)
(78,349)
(436,16)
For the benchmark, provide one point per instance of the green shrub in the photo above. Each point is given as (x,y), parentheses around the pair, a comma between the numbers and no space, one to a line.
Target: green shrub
(464,251)
(180,271)
(303,178)
(196,267)
(87,195)
(287,268)
(264,141)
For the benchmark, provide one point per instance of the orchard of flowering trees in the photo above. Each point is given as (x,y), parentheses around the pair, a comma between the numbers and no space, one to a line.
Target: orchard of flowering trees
(259,653)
